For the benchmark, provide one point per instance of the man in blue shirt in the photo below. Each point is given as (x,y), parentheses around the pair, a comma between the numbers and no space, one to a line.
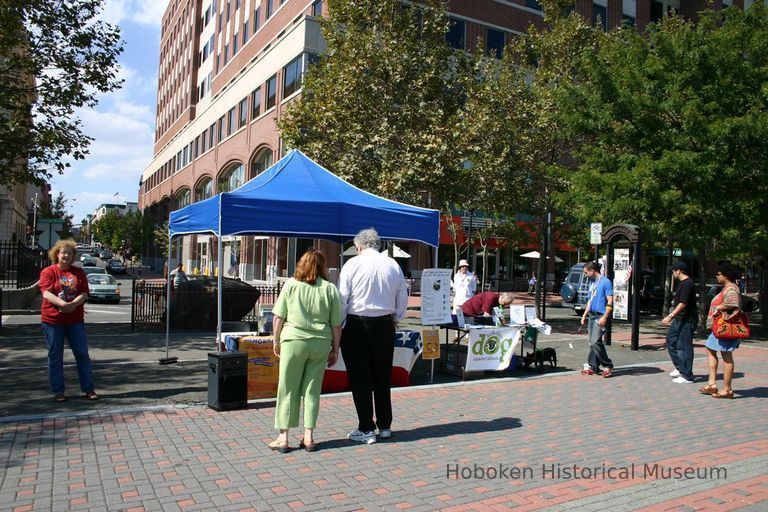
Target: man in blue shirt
(598,312)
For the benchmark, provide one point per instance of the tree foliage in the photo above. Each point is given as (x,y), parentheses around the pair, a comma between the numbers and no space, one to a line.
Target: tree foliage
(379,107)
(130,232)
(675,123)
(57,209)
(54,57)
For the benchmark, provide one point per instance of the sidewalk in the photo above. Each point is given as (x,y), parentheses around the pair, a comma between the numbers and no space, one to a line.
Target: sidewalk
(559,441)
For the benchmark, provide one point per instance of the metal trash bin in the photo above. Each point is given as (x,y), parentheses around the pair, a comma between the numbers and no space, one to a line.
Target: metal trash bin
(227,380)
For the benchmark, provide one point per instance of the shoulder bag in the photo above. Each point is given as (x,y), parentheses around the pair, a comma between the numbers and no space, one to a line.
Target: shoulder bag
(734,328)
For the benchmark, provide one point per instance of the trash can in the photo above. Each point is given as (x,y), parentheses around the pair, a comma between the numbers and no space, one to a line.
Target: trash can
(227,380)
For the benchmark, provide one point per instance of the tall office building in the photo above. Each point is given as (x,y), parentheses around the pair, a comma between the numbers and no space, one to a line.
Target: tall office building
(229,67)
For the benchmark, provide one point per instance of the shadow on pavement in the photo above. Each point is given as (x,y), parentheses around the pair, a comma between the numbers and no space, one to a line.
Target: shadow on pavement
(436,431)
(761,392)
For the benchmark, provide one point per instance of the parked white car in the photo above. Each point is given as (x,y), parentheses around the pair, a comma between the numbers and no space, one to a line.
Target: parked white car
(103,287)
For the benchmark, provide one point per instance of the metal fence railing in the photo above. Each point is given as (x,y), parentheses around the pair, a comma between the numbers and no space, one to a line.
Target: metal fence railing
(194,308)
(20,266)
(268,296)
(148,302)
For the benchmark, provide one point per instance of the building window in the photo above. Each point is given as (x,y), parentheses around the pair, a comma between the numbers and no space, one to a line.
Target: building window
(243,113)
(455,34)
(231,119)
(224,55)
(495,45)
(269,9)
(211,136)
(221,129)
(196,151)
(317,8)
(245,32)
(256,103)
(628,20)
(256,13)
(271,92)
(231,179)
(204,190)
(533,4)
(182,199)
(206,53)
(292,77)
(657,11)
(599,16)
(234,44)
(261,162)
(203,140)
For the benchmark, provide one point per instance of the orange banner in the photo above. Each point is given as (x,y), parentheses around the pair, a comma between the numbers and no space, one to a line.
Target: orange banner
(263,366)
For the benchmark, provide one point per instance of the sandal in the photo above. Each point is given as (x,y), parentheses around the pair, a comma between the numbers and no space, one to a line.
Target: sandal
(723,394)
(279,447)
(60,398)
(308,447)
(607,373)
(709,389)
(91,395)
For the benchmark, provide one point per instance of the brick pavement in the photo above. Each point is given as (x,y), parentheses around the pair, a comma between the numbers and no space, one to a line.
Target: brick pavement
(194,458)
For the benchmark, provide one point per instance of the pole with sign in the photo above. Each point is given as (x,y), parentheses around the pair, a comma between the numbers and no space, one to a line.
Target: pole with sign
(596,236)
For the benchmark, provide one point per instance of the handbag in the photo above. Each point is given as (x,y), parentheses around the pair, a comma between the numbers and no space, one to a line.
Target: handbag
(734,328)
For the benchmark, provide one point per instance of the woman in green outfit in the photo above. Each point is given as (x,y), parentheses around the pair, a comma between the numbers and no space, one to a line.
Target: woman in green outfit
(307,323)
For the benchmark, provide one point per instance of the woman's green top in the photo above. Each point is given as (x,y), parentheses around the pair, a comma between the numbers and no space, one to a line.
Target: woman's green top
(309,310)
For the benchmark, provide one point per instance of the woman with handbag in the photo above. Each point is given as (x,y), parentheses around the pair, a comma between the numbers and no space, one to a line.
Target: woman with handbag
(729,326)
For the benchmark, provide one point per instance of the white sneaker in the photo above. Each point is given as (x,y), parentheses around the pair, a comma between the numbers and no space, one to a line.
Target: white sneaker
(674,373)
(385,433)
(682,380)
(362,437)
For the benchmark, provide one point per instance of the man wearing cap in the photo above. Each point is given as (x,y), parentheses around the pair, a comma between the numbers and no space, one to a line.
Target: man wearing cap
(597,312)
(464,285)
(682,324)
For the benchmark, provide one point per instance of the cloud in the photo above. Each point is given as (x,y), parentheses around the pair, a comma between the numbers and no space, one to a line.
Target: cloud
(145,12)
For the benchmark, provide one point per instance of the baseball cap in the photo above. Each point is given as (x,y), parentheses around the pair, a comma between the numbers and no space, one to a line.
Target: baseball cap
(680,265)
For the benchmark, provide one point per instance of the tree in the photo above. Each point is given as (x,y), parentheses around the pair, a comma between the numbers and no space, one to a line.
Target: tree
(54,57)
(137,232)
(58,210)
(676,121)
(108,229)
(379,106)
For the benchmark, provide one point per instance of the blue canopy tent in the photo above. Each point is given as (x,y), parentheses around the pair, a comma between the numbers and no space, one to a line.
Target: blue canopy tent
(296,197)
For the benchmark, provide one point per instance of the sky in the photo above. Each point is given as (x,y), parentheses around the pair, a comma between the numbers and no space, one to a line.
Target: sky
(123,123)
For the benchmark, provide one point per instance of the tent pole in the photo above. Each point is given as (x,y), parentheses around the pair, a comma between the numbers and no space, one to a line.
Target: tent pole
(167,359)
(219,291)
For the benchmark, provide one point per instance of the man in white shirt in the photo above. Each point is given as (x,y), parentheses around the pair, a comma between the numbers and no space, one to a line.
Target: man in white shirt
(464,285)
(373,300)
(178,276)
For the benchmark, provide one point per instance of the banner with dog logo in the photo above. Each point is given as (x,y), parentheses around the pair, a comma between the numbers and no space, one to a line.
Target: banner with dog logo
(492,349)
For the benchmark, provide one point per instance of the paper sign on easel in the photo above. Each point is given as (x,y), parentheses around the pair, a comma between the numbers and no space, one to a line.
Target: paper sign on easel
(431,341)
(516,315)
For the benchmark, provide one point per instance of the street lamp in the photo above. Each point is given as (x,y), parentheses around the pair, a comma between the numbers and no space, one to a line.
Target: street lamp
(34,223)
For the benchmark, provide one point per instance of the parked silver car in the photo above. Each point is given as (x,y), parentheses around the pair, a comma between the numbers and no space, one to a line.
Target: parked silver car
(103,287)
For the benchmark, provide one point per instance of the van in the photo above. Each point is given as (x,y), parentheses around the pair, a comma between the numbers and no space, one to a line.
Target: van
(575,290)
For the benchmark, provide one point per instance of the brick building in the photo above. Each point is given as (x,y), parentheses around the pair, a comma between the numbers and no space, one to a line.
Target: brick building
(228,68)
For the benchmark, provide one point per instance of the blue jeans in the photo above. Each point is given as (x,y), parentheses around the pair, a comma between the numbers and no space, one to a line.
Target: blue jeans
(75,335)
(598,355)
(680,345)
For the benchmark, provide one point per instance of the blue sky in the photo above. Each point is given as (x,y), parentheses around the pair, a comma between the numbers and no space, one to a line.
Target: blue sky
(123,123)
